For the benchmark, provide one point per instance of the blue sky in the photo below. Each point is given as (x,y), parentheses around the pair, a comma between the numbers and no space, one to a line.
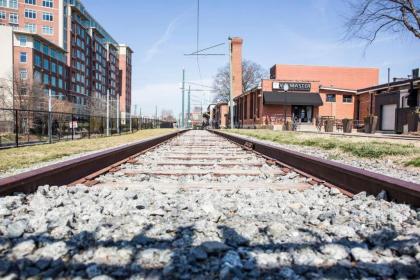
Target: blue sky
(274,31)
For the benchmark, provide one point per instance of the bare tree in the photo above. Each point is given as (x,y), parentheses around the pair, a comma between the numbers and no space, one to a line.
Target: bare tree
(371,17)
(252,74)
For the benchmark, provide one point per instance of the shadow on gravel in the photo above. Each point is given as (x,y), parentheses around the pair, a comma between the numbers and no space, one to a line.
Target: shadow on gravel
(183,256)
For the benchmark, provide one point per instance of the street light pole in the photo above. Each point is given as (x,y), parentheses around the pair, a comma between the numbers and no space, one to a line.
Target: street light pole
(118,115)
(189,107)
(183,98)
(49,117)
(107,112)
(231,84)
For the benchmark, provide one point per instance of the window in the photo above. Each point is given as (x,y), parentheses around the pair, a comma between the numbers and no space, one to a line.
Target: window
(30,27)
(23,91)
(47,16)
(37,76)
(330,97)
(60,69)
(31,2)
(3,3)
(46,80)
(14,18)
(2,15)
(46,64)
(23,57)
(23,74)
(13,4)
(37,45)
(47,30)
(47,3)
(38,60)
(53,81)
(347,99)
(45,49)
(22,41)
(30,14)
(53,67)
(60,83)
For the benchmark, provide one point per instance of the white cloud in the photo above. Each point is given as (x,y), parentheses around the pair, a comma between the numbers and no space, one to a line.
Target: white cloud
(150,53)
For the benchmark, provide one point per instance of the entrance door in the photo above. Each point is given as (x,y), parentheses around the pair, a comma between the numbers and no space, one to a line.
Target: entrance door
(302,113)
(388,117)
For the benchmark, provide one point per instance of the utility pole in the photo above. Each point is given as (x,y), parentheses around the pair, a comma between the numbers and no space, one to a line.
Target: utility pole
(50,117)
(183,98)
(118,115)
(231,84)
(189,107)
(107,112)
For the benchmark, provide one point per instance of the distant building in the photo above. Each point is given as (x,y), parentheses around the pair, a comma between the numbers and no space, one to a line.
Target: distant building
(395,104)
(298,92)
(62,32)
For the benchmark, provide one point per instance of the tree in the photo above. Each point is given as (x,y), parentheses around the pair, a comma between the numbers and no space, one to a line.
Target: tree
(371,17)
(252,73)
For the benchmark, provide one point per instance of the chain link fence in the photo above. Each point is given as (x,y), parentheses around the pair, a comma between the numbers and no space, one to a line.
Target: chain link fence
(29,127)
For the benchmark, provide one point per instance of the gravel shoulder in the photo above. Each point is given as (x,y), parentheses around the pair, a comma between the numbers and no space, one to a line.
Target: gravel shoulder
(389,165)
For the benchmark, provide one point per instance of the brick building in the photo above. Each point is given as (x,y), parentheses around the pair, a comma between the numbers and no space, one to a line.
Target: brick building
(299,92)
(92,58)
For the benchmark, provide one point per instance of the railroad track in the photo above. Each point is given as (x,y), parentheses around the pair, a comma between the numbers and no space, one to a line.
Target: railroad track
(198,205)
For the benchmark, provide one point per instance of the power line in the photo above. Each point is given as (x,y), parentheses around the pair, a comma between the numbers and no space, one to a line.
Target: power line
(198,36)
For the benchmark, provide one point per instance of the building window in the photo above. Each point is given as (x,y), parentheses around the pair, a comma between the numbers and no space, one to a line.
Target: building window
(53,81)
(30,14)
(2,15)
(46,64)
(60,70)
(47,3)
(46,80)
(37,76)
(14,18)
(47,30)
(23,57)
(37,45)
(30,2)
(330,97)
(45,49)
(47,16)
(347,99)
(22,41)
(23,74)
(13,4)
(53,67)
(3,3)
(38,60)
(30,27)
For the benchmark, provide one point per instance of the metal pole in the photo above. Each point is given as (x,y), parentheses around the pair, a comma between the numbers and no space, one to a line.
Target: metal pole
(49,117)
(107,112)
(231,84)
(72,128)
(131,124)
(16,128)
(183,98)
(118,116)
(189,107)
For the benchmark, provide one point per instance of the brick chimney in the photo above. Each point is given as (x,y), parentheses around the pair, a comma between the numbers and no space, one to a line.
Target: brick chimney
(237,66)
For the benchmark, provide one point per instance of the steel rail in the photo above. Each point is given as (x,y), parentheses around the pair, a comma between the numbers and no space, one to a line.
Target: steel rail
(70,171)
(351,179)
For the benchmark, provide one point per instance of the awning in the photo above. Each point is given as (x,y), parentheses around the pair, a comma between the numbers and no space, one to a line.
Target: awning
(292,98)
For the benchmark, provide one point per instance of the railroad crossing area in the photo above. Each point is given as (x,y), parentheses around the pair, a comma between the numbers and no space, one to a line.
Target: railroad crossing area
(197,205)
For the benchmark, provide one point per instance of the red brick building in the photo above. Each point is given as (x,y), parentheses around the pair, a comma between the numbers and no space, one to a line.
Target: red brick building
(299,92)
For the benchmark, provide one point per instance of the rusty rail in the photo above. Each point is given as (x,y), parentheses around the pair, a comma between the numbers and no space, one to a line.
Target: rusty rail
(346,177)
(69,171)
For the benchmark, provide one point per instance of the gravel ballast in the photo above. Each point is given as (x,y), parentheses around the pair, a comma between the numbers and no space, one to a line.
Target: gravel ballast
(151,227)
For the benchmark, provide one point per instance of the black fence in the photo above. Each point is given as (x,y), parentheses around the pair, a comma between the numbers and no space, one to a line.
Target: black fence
(28,127)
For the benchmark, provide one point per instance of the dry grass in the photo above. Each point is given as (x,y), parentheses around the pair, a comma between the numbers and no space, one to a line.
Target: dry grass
(373,148)
(17,158)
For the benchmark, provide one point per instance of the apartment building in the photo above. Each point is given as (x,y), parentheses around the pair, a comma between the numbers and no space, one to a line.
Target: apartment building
(92,58)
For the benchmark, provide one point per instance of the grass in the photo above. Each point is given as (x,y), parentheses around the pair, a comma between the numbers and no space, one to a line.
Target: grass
(17,158)
(414,162)
(365,148)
